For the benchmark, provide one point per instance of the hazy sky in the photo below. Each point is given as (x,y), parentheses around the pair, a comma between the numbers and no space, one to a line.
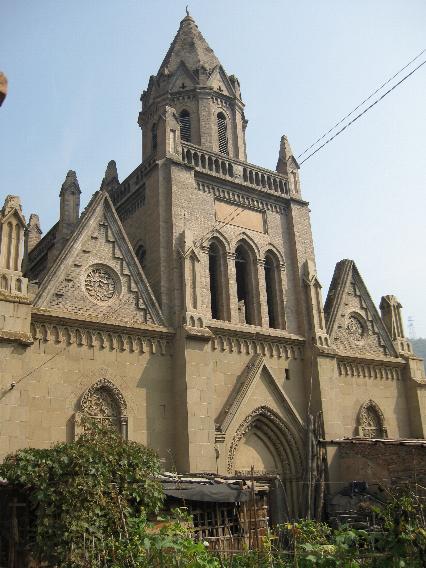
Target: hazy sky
(76,70)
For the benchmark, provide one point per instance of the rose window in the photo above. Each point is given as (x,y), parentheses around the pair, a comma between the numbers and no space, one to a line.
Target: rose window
(100,284)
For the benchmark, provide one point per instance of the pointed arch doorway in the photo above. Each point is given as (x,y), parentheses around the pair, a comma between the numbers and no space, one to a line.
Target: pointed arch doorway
(266,443)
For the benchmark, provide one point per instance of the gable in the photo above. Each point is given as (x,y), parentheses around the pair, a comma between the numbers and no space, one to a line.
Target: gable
(353,322)
(256,385)
(220,82)
(182,76)
(97,274)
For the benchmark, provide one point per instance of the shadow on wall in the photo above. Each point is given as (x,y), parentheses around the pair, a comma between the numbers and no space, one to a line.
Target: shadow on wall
(154,419)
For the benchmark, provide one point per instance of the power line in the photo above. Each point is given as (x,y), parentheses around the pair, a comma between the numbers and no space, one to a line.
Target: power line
(360,104)
(363,112)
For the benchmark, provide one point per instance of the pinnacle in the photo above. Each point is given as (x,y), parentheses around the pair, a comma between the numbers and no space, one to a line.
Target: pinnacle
(110,180)
(71,182)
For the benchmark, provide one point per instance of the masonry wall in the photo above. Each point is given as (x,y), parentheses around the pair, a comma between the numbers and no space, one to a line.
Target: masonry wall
(51,378)
(343,395)
(377,463)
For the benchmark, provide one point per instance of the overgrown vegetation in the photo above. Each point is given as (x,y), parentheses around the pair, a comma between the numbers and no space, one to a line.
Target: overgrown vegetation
(93,498)
(85,492)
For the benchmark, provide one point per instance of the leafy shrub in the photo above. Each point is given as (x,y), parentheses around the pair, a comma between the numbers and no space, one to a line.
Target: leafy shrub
(84,492)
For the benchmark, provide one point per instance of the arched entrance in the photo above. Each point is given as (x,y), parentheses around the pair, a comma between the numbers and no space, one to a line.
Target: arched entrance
(269,445)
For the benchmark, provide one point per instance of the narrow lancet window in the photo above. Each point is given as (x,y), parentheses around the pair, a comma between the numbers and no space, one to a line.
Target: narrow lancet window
(218,282)
(273,292)
(185,126)
(247,293)
(9,242)
(222,133)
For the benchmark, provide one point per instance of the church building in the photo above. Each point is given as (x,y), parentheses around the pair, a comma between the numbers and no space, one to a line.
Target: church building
(183,308)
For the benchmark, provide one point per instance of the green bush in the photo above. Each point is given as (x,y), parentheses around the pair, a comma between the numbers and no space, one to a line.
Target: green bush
(85,492)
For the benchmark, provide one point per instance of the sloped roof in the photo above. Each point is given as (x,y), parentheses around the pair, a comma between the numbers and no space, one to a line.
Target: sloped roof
(190,47)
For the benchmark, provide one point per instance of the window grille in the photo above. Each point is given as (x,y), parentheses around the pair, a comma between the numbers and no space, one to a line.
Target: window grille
(185,126)
(222,133)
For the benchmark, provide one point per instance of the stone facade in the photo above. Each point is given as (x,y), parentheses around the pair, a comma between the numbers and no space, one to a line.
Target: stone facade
(183,306)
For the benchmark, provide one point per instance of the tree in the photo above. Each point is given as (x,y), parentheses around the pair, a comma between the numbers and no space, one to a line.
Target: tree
(84,493)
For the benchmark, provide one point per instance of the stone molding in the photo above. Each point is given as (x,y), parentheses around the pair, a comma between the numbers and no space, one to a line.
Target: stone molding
(115,391)
(368,370)
(16,336)
(89,337)
(273,348)
(250,421)
(239,198)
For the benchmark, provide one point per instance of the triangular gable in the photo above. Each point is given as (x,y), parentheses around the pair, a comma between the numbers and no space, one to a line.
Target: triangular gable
(353,322)
(293,163)
(220,82)
(97,273)
(245,386)
(182,75)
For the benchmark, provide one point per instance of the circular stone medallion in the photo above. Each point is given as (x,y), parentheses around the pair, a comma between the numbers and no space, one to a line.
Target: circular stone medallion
(100,284)
(355,328)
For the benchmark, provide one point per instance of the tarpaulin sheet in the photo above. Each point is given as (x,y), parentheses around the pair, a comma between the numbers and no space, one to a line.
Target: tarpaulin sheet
(219,493)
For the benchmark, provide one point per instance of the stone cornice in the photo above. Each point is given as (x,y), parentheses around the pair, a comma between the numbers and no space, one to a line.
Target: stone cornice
(14,298)
(42,315)
(16,337)
(370,360)
(254,332)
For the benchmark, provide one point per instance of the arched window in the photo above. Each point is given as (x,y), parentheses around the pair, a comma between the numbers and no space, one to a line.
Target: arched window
(273,286)
(247,285)
(222,133)
(371,421)
(17,244)
(140,255)
(104,403)
(154,137)
(185,126)
(9,241)
(219,297)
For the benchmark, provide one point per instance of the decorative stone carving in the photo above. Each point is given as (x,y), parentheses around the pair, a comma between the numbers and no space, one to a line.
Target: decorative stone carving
(371,421)
(280,434)
(355,328)
(104,403)
(100,284)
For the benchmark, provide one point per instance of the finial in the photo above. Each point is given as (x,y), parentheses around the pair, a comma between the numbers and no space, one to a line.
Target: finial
(186,10)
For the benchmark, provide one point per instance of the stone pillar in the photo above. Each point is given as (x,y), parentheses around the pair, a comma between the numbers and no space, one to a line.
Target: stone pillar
(263,298)
(233,297)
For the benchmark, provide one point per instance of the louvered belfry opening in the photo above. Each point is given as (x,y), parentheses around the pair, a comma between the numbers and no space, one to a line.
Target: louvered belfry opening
(222,133)
(185,126)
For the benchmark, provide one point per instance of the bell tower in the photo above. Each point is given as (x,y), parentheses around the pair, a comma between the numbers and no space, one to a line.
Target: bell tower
(207,101)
